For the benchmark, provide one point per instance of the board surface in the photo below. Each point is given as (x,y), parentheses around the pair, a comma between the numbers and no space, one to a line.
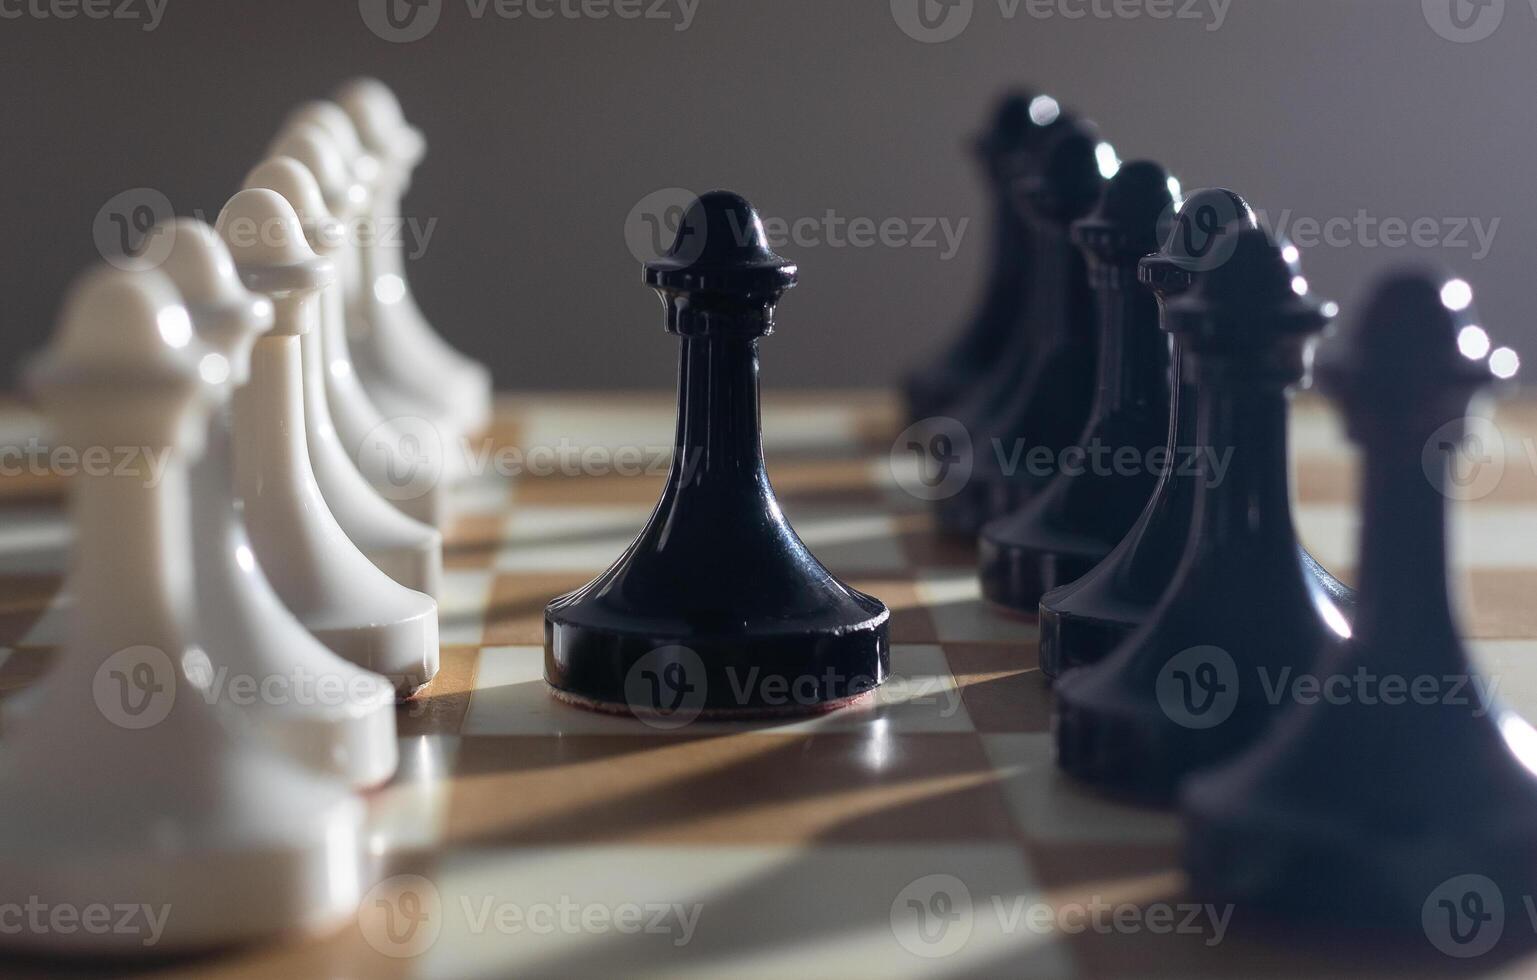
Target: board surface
(924,834)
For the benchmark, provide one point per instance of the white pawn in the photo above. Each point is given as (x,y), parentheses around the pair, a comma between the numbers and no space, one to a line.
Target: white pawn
(409,361)
(408,460)
(339,126)
(329,714)
(407,550)
(418,405)
(126,784)
(334,590)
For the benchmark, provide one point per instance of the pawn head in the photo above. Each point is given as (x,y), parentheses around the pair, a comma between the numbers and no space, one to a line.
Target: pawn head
(267,242)
(312,146)
(297,184)
(720,274)
(1066,182)
(226,316)
(1020,126)
(125,364)
(1124,226)
(381,124)
(1255,306)
(1198,238)
(1416,348)
(333,119)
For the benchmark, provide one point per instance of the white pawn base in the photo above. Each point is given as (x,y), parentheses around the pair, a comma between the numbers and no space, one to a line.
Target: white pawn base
(327,713)
(271,855)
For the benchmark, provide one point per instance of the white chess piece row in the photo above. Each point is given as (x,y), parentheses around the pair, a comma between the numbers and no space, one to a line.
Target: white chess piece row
(248,612)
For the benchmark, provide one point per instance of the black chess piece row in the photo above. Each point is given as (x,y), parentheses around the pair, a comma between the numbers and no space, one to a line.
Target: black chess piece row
(1174,610)
(1037,386)
(1086,529)
(1402,810)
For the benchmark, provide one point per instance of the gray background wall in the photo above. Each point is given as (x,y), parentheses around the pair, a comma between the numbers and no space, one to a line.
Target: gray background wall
(545,134)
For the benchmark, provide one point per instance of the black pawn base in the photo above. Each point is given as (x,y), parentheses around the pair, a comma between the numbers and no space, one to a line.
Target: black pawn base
(1127,747)
(1076,630)
(1083,621)
(986,497)
(1015,576)
(1346,869)
(664,675)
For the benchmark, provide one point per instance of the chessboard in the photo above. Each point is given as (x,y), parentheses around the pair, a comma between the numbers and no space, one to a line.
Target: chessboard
(923,832)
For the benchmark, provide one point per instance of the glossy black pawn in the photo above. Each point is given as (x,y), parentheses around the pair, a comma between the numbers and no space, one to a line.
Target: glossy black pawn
(1081,622)
(1003,151)
(1038,399)
(717,608)
(1189,688)
(1373,808)
(1105,480)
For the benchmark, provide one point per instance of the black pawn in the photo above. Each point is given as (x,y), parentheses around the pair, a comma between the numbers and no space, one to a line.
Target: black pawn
(1420,812)
(1013,137)
(1186,691)
(1090,504)
(717,608)
(1080,623)
(1039,396)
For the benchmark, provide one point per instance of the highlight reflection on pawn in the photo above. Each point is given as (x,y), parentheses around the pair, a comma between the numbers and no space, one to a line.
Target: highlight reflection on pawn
(340,596)
(717,608)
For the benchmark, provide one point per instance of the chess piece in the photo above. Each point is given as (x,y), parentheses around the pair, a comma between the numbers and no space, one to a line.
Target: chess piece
(1184,691)
(406,550)
(333,119)
(334,590)
(1014,136)
(329,714)
(1039,397)
(421,435)
(717,607)
(1080,516)
(1371,807)
(127,783)
(409,461)
(1081,622)
(409,361)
